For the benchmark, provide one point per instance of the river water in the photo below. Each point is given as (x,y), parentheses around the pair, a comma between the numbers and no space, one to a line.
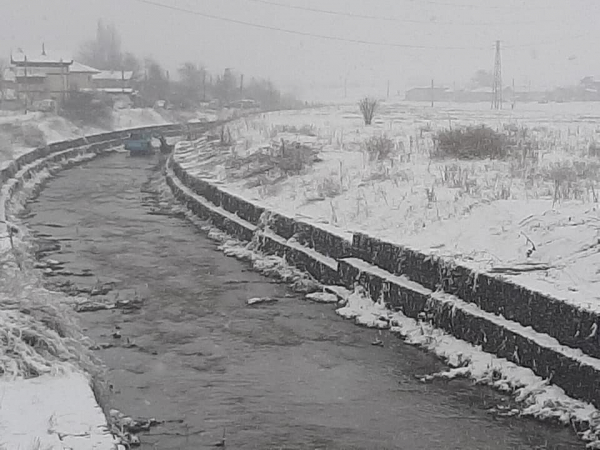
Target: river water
(285,375)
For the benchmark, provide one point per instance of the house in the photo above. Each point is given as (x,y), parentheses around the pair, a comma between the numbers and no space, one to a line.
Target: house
(427,94)
(40,77)
(80,76)
(114,81)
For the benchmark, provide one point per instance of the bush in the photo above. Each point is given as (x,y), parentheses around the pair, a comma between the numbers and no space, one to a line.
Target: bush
(368,106)
(470,143)
(27,134)
(594,150)
(379,148)
(85,108)
(33,136)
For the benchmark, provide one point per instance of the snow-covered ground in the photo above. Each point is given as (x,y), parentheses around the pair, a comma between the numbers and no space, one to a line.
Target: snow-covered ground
(538,211)
(52,413)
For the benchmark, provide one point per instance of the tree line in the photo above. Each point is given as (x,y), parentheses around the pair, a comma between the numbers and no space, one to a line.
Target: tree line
(193,85)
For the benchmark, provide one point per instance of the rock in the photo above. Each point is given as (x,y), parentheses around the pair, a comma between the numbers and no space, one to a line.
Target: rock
(322,297)
(101,346)
(257,300)
(117,335)
(91,306)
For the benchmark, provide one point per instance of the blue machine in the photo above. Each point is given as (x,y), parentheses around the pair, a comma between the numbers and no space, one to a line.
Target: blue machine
(139,143)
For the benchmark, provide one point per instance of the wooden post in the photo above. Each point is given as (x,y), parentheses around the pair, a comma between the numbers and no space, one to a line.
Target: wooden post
(432,94)
(26,86)
(514,94)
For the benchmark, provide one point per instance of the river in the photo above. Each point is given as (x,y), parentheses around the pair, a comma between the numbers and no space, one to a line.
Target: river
(284,375)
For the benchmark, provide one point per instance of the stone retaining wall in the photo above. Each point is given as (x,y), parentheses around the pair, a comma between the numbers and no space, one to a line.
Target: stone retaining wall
(487,311)
(567,323)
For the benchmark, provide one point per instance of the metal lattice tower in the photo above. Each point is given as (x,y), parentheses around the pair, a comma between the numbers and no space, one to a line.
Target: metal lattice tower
(497,86)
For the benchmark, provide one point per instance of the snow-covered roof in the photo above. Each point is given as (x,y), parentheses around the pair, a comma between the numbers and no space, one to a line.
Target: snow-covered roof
(113,75)
(20,57)
(77,67)
(110,90)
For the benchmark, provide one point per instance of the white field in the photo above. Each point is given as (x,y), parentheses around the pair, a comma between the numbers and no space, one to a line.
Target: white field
(484,214)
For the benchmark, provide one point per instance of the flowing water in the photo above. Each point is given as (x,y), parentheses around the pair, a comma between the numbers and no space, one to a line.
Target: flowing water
(284,375)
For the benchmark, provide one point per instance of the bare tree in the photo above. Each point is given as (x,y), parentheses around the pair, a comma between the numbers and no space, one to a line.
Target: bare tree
(368,106)
(103,52)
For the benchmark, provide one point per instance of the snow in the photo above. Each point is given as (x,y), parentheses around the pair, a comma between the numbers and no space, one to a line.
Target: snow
(258,300)
(78,67)
(113,75)
(535,396)
(487,215)
(322,297)
(52,413)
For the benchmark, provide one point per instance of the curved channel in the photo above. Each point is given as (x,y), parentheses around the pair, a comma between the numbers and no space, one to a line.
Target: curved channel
(283,375)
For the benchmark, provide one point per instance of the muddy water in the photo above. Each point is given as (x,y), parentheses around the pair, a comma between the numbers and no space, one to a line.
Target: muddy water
(287,375)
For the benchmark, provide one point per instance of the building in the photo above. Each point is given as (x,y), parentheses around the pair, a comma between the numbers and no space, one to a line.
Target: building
(427,94)
(114,82)
(40,77)
(81,76)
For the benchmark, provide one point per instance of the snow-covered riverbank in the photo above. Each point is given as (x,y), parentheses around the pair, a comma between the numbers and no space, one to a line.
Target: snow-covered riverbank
(47,399)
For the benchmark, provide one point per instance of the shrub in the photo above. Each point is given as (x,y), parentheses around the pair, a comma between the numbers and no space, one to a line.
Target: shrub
(368,106)
(594,150)
(85,108)
(379,148)
(27,134)
(33,136)
(470,143)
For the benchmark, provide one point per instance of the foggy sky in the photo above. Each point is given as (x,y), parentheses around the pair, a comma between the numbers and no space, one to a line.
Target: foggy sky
(558,56)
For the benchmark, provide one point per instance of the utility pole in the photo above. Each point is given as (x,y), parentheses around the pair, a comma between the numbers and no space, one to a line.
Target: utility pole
(497,86)
(432,94)
(514,95)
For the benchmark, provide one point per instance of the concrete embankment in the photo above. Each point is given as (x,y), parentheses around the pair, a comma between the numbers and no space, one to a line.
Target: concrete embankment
(555,340)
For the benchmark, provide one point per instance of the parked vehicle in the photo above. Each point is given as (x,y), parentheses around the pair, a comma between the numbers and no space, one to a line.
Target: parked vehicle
(139,143)
(47,105)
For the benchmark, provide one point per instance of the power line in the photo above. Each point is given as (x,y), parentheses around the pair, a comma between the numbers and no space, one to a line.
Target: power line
(391,19)
(303,33)
(341,39)
(553,42)
(472,6)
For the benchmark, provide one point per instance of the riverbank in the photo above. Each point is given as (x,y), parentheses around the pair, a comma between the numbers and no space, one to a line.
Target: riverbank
(42,342)
(323,252)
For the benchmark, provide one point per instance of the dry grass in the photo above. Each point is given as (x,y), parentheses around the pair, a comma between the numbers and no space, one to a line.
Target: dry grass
(38,332)
(471,142)
(379,148)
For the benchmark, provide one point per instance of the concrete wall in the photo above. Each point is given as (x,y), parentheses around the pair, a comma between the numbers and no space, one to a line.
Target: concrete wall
(481,309)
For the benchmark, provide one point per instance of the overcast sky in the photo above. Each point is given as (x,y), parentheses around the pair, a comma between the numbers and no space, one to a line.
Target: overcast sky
(544,42)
